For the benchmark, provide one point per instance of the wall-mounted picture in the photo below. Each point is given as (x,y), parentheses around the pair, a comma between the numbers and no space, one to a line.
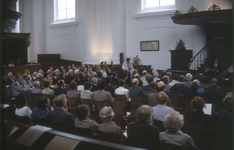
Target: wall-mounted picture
(150,45)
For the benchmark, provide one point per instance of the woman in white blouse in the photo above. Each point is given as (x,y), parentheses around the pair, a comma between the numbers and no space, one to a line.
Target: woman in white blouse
(21,108)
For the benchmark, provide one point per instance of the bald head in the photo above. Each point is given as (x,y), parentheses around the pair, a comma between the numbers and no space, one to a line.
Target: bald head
(161,98)
(160,86)
(135,81)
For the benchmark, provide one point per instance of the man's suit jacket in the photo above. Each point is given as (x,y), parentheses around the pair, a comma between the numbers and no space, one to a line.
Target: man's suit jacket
(183,88)
(99,74)
(110,89)
(9,81)
(81,76)
(136,91)
(143,135)
(213,66)
(94,88)
(28,87)
(114,80)
(16,89)
(101,95)
(61,117)
(175,95)
(213,96)
(55,80)
(59,91)
(199,77)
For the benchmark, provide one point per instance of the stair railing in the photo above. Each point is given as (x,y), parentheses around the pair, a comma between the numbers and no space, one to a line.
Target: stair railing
(199,58)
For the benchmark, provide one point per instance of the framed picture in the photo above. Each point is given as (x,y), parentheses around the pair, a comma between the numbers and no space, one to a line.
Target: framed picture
(150,45)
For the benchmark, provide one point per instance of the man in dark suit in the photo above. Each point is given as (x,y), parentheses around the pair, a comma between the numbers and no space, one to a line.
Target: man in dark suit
(173,94)
(82,76)
(199,76)
(109,88)
(56,77)
(114,79)
(140,133)
(137,91)
(60,89)
(9,79)
(215,68)
(60,117)
(94,84)
(183,88)
(214,80)
(213,95)
(99,73)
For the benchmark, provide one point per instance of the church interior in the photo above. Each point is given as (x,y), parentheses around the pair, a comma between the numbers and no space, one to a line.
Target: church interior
(117,74)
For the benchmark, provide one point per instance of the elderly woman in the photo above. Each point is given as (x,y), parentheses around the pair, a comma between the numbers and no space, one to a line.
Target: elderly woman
(21,108)
(40,111)
(198,115)
(108,126)
(83,121)
(36,87)
(173,122)
(140,133)
(188,78)
(199,90)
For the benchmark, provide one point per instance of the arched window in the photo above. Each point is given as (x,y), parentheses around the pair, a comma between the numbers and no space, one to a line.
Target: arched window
(65,10)
(148,5)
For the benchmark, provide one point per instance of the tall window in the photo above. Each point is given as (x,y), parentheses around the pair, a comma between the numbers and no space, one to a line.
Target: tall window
(157,4)
(65,9)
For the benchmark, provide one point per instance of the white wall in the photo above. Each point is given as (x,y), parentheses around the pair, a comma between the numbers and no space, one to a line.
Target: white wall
(104,28)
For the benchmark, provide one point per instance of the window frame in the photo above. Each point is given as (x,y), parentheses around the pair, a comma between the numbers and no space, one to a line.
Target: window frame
(159,8)
(56,20)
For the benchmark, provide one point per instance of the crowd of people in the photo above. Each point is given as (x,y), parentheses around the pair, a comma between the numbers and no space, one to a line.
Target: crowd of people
(95,83)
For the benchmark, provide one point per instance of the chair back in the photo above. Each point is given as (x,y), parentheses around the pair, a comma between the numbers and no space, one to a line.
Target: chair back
(160,125)
(87,102)
(126,86)
(94,115)
(86,132)
(100,105)
(134,108)
(110,137)
(50,97)
(174,102)
(121,98)
(72,102)
(35,97)
(136,100)
(31,105)
(188,105)
(181,110)
(119,108)
(73,111)
(114,85)
(194,130)
(23,119)
(166,146)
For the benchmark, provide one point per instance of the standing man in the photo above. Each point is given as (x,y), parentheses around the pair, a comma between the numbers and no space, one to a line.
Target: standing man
(127,66)
(215,68)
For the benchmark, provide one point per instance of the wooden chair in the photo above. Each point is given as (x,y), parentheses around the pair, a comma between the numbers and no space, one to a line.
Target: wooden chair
(166,146)
(73,111)
(160,125)
(23,119)
(31,105)
(100,105)
(35,97)
(126,86)
(87,102)
(50,97)
(194,130)
(181,110)
(134,108)
(119,108)
(114,85)
(111,137)
(86,132)
(136,100)
(72,102)
(174,102)
(121,98)
(94,115)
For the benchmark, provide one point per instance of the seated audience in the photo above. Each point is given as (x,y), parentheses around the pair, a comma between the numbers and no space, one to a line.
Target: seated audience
(87,94)
(11,64)
(27,83)
(40,78)
(174,80)
(188,78)
(199,90)
(146,80)
(83,121)
(21,108)
(121,90)
(205,83)
(109,88)
(149,80)
(60,89)
(193,92)
(60,116)
(160,110)
(183,88)
(47,89)
(104,74)
(72,92)
(17,87)
(108,71)
(34,76)
(36,88)
(214,80)
(140,133)
(99,72)
(94,84)
(152,89)
(227,103)
(173,123)
(114,79)
(108,126)
(10,79)
(40,111)
(156,76)
(166,81)
(198,115)
(173,94)
(100,94)
(137,76)
(56,77)
(144,73)
(199,76)
(213,95)
(137,91)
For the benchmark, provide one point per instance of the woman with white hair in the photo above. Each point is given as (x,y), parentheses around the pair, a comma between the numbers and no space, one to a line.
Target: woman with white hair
(108,126)
(36,87)
(188,78)
(173,122)
(141,133)
(199,90)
